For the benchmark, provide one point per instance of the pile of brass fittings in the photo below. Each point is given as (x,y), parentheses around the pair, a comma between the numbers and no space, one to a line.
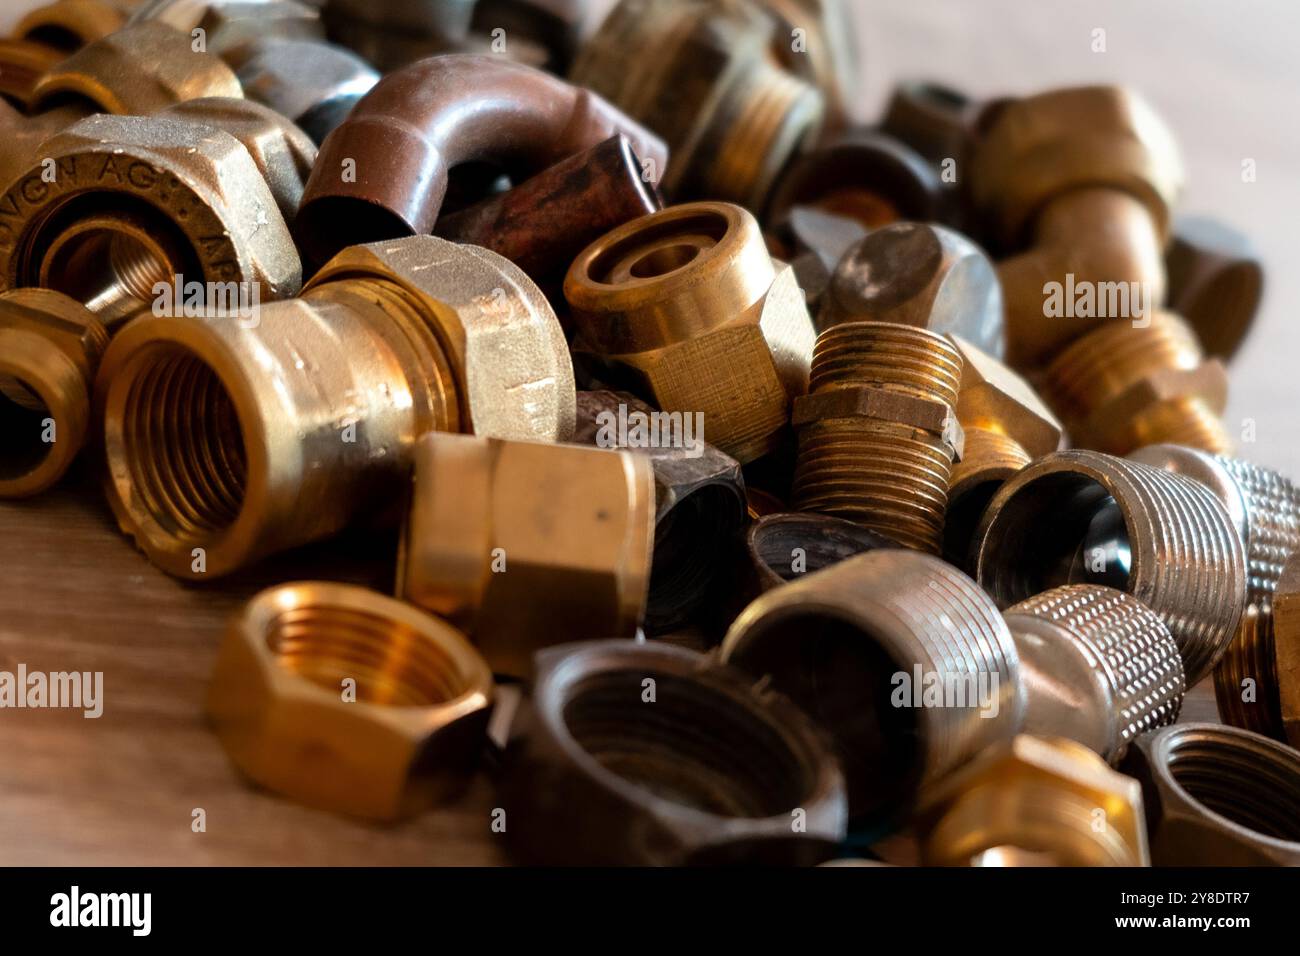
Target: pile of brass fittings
(759,483)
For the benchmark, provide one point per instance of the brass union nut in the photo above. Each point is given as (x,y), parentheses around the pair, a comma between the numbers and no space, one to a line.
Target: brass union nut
(346,700)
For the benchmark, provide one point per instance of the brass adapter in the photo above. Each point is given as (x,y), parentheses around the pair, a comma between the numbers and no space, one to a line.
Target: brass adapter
(1286,647)
(346,700)
(1081,517)
(731,115)
(828,58)
(1035,802)
(68,25)
(239,438)
(687,309)
(1097,666)
(526,545)
(878,430)
(1126,385)
(22,64)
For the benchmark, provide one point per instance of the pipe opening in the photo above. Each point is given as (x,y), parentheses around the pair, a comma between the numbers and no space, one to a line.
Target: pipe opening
(658,249)
(692,542)
(24,421)
(962,519)
(792,546)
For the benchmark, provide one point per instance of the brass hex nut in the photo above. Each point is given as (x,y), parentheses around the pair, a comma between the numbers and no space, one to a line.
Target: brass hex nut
(346,700)
(994,398)
(1286,646)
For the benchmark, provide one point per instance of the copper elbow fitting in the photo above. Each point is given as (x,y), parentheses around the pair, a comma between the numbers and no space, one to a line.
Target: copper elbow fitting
(1081,517)
(404,137)
(1126,385)
(878,430)
(855,644)
(1097,666)
(301,418)
(687,309)
(346,700)
(525,544)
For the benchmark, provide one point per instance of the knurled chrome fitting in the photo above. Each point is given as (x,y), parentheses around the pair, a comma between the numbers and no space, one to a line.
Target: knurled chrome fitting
(731,114)
(1126,385)
(68,25)
(1216,281)
(650,754)
(350,701)
(1082,517)
(229,439)
(1036,802)
(857,647)
(1097,666)
(686,308)
(878,430)
(1218,796)
(525,544)
(1266,509)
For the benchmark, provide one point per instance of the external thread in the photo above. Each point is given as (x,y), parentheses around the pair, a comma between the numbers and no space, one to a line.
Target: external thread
(988,454)
(1185,421)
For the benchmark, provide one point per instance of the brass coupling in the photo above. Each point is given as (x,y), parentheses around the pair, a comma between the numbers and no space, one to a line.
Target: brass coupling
(1036,801)
(731,114)
(906,702)
(68,25)
(1097,666)
(1082,517)
(228,440)
(628,753)
(1218,796)
(22,64)
(878,430)
(346,700)
(1286,647)
(686,308)
(525,544)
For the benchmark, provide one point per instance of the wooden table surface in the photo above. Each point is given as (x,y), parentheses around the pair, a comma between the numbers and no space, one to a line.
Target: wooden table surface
(74,594)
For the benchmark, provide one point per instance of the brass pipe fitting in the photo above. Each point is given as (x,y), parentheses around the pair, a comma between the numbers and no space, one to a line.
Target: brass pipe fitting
(525,545)
(392,34)
(1097,666)
(828,57)
(228,24)
(732,116)
(50,347)
(554,27)
(931,118)
(405,136)
(1124,385)
(349,701)
(784,546)
(1216,281)
(878,430)
(24,135)
(68,25)
(1035,802)
(1286,647)
(1081,517)
(1218,796)
(687,309)
(303,420)
(847,643)
(22,64)
(647,754)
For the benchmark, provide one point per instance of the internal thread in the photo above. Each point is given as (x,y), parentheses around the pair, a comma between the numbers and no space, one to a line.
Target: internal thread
(1251,655)
(184,446)
(987,455)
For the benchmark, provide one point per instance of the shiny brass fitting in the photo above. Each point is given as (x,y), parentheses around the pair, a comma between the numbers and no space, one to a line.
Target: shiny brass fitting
(686,308)
(732,116)
(1097,666)
(1216,280)
(525,544)
(1081,517)
(856,646)
(68,25)
(1035,802)
(878,430)
(1126,385)
(229,439)
(50,347)
(346,700)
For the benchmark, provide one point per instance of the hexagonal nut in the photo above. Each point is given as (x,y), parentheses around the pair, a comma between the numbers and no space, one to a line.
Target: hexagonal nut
(1031,801)
(69,25)
(138,70)
(1218,796)
(200,180)
(509,353)
(538,543)
(226,24)
(382,730)
(1286,646)
(884,405)
(1207,382)
(994,398)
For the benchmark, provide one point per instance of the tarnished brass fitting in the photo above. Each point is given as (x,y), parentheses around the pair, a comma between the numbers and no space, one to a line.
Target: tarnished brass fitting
(392,34)
(346,700)
(856,646)
(1286,647)
(1097,666)
(1125,385)
(22,64)
(1265,507)
(1216,281)
(525,544)
(228,24)
(878,430)
(817,40)
(933,119)
(732,116)
(630,753)
(687,309)
(24,135)
(1037,802)
(68,25)
(1218,796)
(1081,517)
(555,28)
(303,418)
(785,546)
(50,347)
